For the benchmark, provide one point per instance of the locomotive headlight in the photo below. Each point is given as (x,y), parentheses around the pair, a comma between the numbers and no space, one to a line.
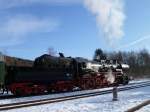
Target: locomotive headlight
(68,75)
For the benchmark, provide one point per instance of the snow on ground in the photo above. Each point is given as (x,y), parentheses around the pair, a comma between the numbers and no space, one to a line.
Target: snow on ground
(101,103)
(139,80)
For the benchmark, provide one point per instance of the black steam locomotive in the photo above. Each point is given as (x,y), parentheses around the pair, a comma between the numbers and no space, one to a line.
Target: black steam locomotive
(57,74)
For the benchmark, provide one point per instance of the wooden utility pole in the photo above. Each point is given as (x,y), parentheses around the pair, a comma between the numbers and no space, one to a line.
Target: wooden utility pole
(115,93)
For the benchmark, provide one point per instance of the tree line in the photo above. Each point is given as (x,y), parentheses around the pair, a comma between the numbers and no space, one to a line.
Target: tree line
(139,61)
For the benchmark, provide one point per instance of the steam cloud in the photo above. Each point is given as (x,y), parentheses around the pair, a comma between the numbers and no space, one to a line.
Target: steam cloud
(110,17)
(110,77)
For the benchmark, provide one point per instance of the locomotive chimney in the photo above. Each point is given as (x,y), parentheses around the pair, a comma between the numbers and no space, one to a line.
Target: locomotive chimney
(61,55)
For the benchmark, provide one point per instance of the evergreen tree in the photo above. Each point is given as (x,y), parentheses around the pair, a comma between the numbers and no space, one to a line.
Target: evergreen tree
(99,55)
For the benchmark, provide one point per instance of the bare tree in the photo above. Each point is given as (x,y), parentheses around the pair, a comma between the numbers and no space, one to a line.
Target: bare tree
(139,62)
(99,55)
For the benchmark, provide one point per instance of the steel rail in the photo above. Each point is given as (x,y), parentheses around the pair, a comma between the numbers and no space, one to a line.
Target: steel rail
(7,96)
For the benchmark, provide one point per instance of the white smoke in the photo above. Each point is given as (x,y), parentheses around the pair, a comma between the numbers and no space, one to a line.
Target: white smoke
(110,77)
(110,17)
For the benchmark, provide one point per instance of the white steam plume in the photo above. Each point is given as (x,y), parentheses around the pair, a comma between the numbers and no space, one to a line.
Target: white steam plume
(110,77)
(110,17)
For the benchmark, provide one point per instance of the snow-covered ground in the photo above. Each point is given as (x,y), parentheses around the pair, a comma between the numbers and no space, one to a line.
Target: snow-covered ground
(139,80)
(102,103)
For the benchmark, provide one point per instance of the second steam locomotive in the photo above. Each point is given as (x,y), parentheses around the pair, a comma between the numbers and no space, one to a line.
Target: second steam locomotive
(57,74)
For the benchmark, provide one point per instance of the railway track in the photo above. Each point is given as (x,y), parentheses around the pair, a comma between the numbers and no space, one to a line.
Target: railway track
(10,96)
(65,98)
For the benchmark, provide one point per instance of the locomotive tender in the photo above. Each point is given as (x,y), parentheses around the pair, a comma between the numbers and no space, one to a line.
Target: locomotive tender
(56,74)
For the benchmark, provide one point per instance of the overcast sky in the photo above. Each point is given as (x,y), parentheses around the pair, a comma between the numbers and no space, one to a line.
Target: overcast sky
(76,27)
